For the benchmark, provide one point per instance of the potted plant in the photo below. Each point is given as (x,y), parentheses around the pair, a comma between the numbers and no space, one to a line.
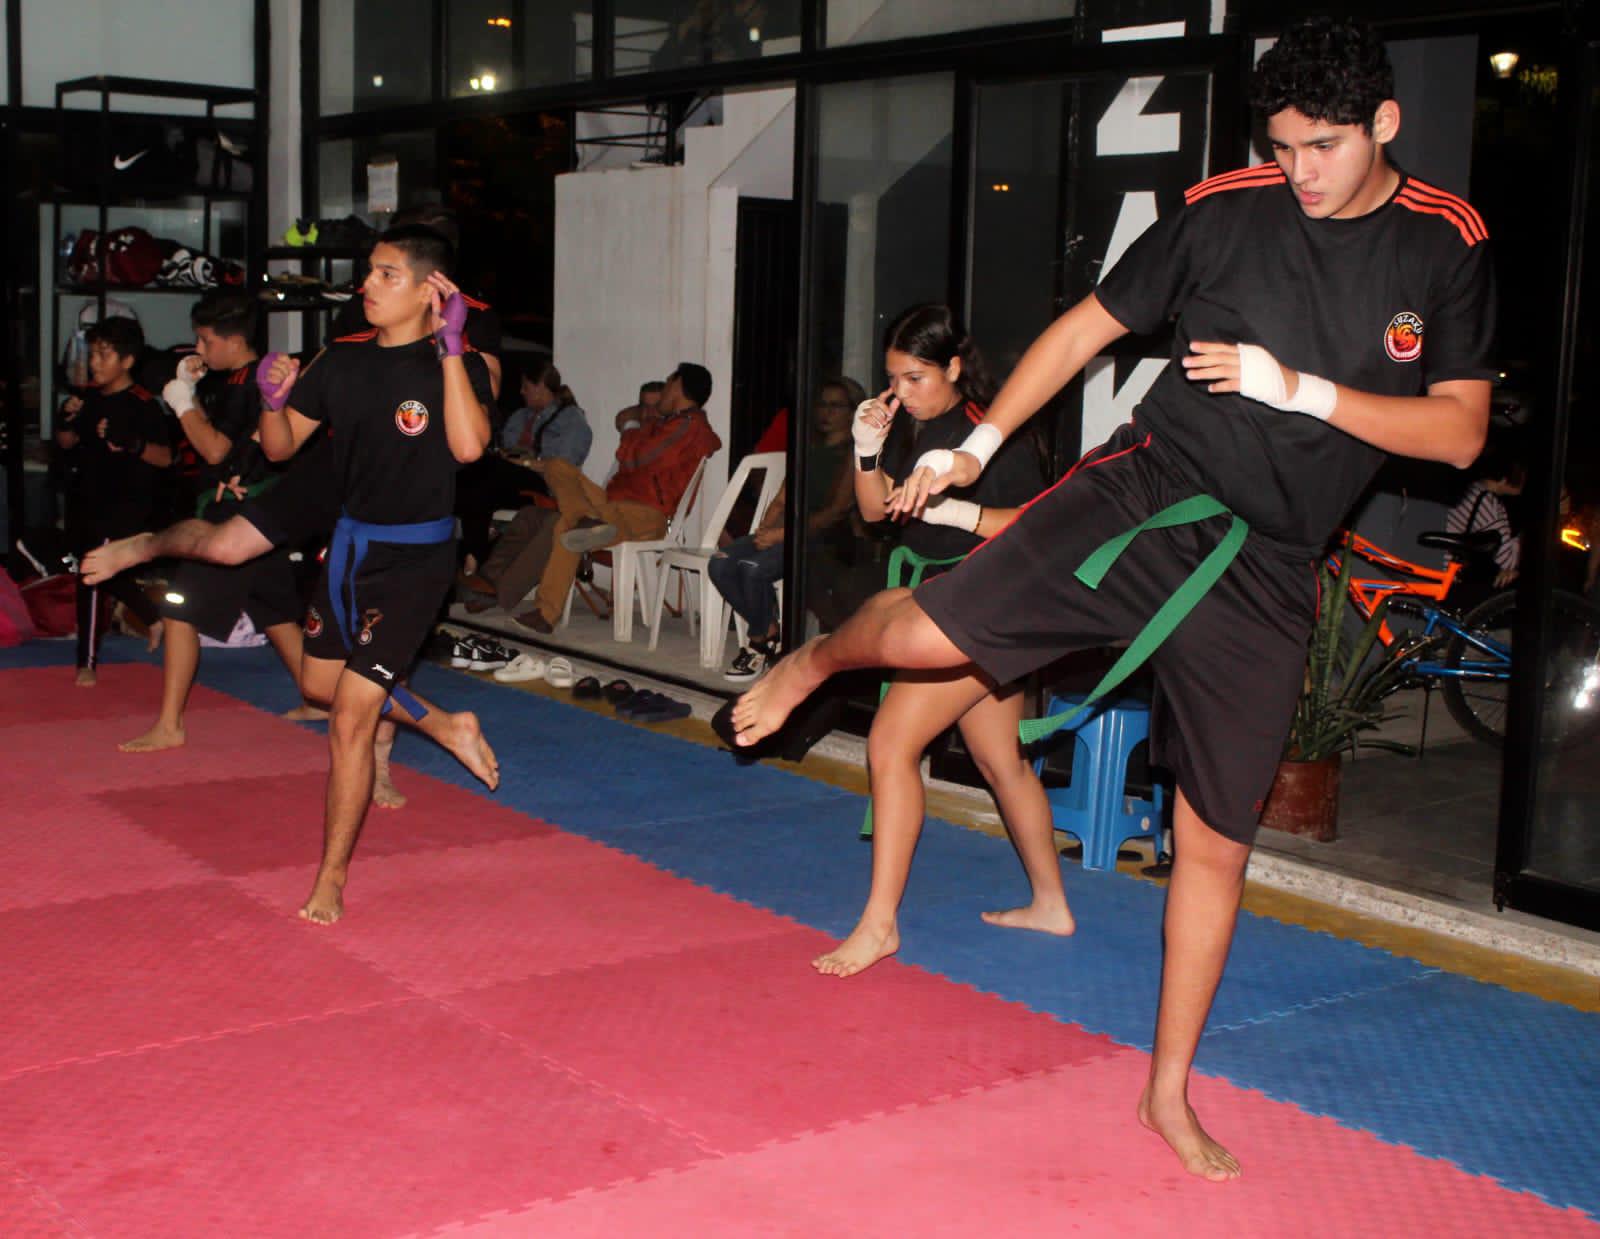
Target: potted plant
(1347,681)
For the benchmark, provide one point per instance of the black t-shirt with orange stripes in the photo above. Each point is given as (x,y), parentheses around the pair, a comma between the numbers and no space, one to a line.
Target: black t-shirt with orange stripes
(1389,302)
(384,409)
(1013,477)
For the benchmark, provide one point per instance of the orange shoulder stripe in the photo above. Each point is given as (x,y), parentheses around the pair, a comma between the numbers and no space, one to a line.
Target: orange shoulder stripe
(1423,207)
(1441,197)
(1245,178)
(239,377)
(974,413)
(360,337)
(141,392)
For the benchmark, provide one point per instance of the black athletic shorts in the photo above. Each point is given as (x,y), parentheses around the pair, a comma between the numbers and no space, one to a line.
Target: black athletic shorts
(1226,680)
(399,590)
(299,512)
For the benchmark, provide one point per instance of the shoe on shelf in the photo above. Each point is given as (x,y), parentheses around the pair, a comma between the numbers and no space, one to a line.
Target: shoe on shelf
(747,664)
(589,535)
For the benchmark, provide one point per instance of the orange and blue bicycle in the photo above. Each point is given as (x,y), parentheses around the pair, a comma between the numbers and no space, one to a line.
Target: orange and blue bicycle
(1469,657)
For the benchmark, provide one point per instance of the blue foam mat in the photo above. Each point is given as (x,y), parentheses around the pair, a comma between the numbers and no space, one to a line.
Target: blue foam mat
(1497,1082)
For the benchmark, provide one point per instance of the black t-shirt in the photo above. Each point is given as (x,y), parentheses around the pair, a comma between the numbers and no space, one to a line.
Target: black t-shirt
(1389,302)
(232,404)
(1012,478)
(108,480)
(384,408)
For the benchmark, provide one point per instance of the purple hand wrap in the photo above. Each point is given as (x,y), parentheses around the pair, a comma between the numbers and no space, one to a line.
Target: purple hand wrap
(452,335)
(275,397)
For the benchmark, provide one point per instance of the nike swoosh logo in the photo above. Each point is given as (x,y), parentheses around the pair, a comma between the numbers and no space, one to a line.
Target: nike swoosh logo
(122,165)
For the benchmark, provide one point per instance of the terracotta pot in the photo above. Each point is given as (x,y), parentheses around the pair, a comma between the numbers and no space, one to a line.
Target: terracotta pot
(1304,799)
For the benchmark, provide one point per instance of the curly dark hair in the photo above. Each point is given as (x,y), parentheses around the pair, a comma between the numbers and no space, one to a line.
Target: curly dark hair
(1327,69)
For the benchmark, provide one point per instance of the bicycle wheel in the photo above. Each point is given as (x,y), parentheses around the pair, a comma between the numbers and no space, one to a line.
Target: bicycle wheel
(1571,674)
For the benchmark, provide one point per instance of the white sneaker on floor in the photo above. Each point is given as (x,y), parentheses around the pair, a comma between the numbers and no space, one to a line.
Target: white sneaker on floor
(521,669)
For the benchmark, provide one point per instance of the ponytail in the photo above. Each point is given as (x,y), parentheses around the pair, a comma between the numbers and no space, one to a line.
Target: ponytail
(932,333)
(545,372)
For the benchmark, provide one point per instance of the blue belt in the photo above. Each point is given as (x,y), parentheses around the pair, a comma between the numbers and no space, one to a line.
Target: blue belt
(348,549)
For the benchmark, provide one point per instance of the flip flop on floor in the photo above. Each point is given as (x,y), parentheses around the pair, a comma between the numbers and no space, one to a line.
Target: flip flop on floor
(644,699)
(663,709)
(618,691)
(558,673)
(586,689)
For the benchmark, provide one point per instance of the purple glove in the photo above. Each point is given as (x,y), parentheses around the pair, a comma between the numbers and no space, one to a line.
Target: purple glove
(274,397)
(452,334)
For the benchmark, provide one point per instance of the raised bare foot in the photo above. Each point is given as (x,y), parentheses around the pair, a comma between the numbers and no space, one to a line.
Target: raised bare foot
(86,677)
(384,793)
(1046,918)
(465,740)
(104,562)
(152,638)
(326,904)
(765,706)
(865,946)
(304,713)
(153,741)
(1177,1124)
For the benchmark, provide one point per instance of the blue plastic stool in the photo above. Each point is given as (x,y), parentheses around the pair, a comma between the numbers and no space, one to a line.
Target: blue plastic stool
(1096,807)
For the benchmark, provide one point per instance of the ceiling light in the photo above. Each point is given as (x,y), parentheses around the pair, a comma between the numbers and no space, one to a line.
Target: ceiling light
(755,34)
(377,79)
(1504,63)
(475,83)
(488,80)
(503,22)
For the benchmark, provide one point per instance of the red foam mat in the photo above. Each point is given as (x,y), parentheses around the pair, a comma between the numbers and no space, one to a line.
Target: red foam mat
(748,1043)
(458,918)
(48,695)
(1057,1153)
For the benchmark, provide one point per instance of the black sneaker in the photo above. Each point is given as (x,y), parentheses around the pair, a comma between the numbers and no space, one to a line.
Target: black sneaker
(747,664)
(479,654)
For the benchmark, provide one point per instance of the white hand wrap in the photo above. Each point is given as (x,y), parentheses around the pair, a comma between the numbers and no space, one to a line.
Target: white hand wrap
(191,369)
(941,460)
(869,438)
(957,513)
(983,442)
(1261,378)
(179,396)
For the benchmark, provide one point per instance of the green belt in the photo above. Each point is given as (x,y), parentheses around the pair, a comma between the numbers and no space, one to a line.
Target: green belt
(1171,613)
(250,492)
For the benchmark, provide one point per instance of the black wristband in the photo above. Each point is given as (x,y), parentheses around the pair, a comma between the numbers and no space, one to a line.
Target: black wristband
(867,464)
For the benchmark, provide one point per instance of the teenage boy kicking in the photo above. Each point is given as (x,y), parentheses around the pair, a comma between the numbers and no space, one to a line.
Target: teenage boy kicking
(1330,309)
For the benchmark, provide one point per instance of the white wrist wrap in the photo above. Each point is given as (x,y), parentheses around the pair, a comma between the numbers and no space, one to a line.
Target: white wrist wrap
(179,396)
(868,438)
(1261,378)
(983,442)
(957,513)
(941,460)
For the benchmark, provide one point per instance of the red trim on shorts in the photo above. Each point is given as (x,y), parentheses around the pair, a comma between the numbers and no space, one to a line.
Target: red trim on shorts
(1083,463)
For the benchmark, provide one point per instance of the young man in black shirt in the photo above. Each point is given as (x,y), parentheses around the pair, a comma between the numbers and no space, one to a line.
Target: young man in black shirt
(404,403)
(1330,308)
(116,442)
(215,400)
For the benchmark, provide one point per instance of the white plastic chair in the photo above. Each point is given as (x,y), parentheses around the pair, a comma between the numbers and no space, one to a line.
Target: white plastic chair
(692,560)
(634,564)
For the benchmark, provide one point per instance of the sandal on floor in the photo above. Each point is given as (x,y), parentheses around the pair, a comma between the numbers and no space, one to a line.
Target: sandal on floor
(586,689)
(521,669)
(644,699)
(663,710)
(558,673)
(618,691)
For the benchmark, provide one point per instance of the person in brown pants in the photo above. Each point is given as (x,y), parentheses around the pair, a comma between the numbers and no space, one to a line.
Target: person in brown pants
(655,463)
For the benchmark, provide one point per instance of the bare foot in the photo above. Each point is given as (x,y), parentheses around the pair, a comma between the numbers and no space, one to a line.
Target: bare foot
(152,638)
(1201,1156)
(865,946)
(86,677)
(465,740)
(384,793)
(326,904)
(766,704)
(1046,918)
(104,562)
(153,741)
(304,713)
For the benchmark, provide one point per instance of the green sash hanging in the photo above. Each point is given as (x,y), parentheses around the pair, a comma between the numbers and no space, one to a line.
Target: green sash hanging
(1171,613)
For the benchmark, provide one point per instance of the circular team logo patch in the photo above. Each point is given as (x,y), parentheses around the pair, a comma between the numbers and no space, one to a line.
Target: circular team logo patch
(1403,339)
(411,417)
(313,622)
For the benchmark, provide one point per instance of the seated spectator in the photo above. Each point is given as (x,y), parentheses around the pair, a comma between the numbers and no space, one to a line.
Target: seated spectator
(655,464)
(636,415)
(548,423)
(746,571)
(1482,508)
